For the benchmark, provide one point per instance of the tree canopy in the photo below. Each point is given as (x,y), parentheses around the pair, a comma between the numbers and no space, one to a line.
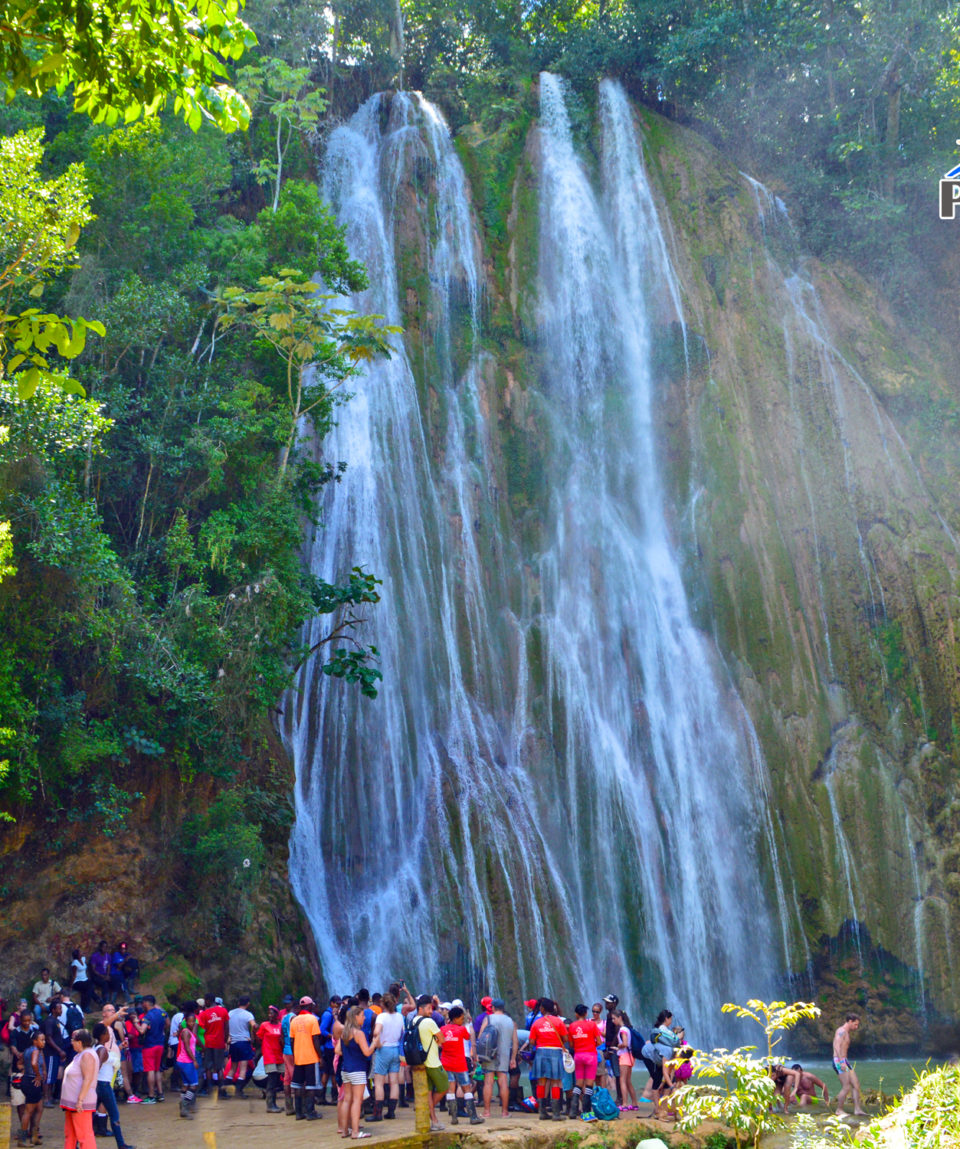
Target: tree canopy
(127,58)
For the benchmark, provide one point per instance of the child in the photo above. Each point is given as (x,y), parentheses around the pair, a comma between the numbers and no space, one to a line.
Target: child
(626,1059)
(32,1089)
(187,1047)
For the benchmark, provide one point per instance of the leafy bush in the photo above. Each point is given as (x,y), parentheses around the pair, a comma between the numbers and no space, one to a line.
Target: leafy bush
(744,1093)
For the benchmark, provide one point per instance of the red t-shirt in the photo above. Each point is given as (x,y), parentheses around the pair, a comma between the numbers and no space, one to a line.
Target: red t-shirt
(584,1035)
(548,1033)
(453,1056)
(271,1041)
(133,1034)
(214,1021)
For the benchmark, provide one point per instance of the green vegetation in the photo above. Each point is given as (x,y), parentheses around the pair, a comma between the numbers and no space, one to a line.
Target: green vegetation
(744,1100)
(121,60)
(154,500)
(928,1117)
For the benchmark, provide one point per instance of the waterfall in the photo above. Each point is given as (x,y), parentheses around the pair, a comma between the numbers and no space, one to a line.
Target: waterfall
(918,901)
(391,796)
(556,790)
(651,720)
(846,866)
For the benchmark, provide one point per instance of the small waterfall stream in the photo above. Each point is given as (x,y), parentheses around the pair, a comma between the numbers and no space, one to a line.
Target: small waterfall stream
(557,788)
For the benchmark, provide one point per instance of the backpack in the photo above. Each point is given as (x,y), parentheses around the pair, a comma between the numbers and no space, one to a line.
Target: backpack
(488,1043)
(413,1051)
(73,1017)
(637,1042)
(604,1105)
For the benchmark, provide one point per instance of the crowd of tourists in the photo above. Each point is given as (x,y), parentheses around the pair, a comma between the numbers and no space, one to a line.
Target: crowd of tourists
(356,1053)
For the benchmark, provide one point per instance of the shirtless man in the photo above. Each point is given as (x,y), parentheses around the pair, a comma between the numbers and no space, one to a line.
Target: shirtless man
(808,1086)
(845,1071)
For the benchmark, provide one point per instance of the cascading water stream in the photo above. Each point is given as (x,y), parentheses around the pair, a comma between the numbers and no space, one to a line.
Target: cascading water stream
(918,907)
(646,720)
(388,794)
(846,865)
(557,786)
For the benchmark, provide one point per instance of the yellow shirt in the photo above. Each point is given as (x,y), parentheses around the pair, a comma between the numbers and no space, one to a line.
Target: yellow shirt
(429,1038)
(302,1030)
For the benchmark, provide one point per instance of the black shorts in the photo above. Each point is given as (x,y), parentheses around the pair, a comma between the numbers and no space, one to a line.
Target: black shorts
(328,1062)
(655,1069)
(31,1089)
(214,1059)
(306,1076)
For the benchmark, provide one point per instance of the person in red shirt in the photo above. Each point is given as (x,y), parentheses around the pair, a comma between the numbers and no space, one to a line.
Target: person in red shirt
(214,1019)
(585,1037)
(453,1057)
(547,1036)
(271,1047)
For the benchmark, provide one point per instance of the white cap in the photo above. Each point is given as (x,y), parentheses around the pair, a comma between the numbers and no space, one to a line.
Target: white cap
(446,1005)
(457,1001)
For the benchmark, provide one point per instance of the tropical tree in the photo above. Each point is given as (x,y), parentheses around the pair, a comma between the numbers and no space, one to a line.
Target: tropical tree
(127,58)
(320,345)
(733,1086)
(284,93)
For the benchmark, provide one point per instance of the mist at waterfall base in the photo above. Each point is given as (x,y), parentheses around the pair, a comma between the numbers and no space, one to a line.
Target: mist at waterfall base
(557,789)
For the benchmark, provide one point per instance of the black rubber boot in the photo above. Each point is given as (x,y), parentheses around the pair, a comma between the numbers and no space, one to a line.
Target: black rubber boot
(543,1105)
(288,1105)
(391,1113)
(573,1109)
(310,1107)
(377,1114)
(185,1109)
(475,1118)
(452,1110)
(558,1109)
(298,1105)
(272,1106)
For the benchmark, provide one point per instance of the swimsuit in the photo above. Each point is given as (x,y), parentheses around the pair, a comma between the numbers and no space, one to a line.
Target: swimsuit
(841,1065)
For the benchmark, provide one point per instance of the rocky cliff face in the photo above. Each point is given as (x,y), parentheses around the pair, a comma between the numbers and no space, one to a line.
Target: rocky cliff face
(814,472)
(67,886)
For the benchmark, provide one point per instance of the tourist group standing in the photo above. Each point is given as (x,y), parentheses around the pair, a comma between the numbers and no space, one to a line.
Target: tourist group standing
(355,1053)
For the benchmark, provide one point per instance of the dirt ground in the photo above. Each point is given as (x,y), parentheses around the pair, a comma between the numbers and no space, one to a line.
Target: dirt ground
(245,1124)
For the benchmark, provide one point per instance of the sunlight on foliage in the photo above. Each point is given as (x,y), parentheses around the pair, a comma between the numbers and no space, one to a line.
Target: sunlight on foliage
(733,1086)
(128,59)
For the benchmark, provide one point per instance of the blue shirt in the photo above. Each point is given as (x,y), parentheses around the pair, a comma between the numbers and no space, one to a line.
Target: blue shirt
(285,1032)
(353,1059)
(156,1019)
(326,1028)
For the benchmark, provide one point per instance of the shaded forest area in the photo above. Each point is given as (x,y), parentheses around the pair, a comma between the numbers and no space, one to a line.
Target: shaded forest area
(154,496)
